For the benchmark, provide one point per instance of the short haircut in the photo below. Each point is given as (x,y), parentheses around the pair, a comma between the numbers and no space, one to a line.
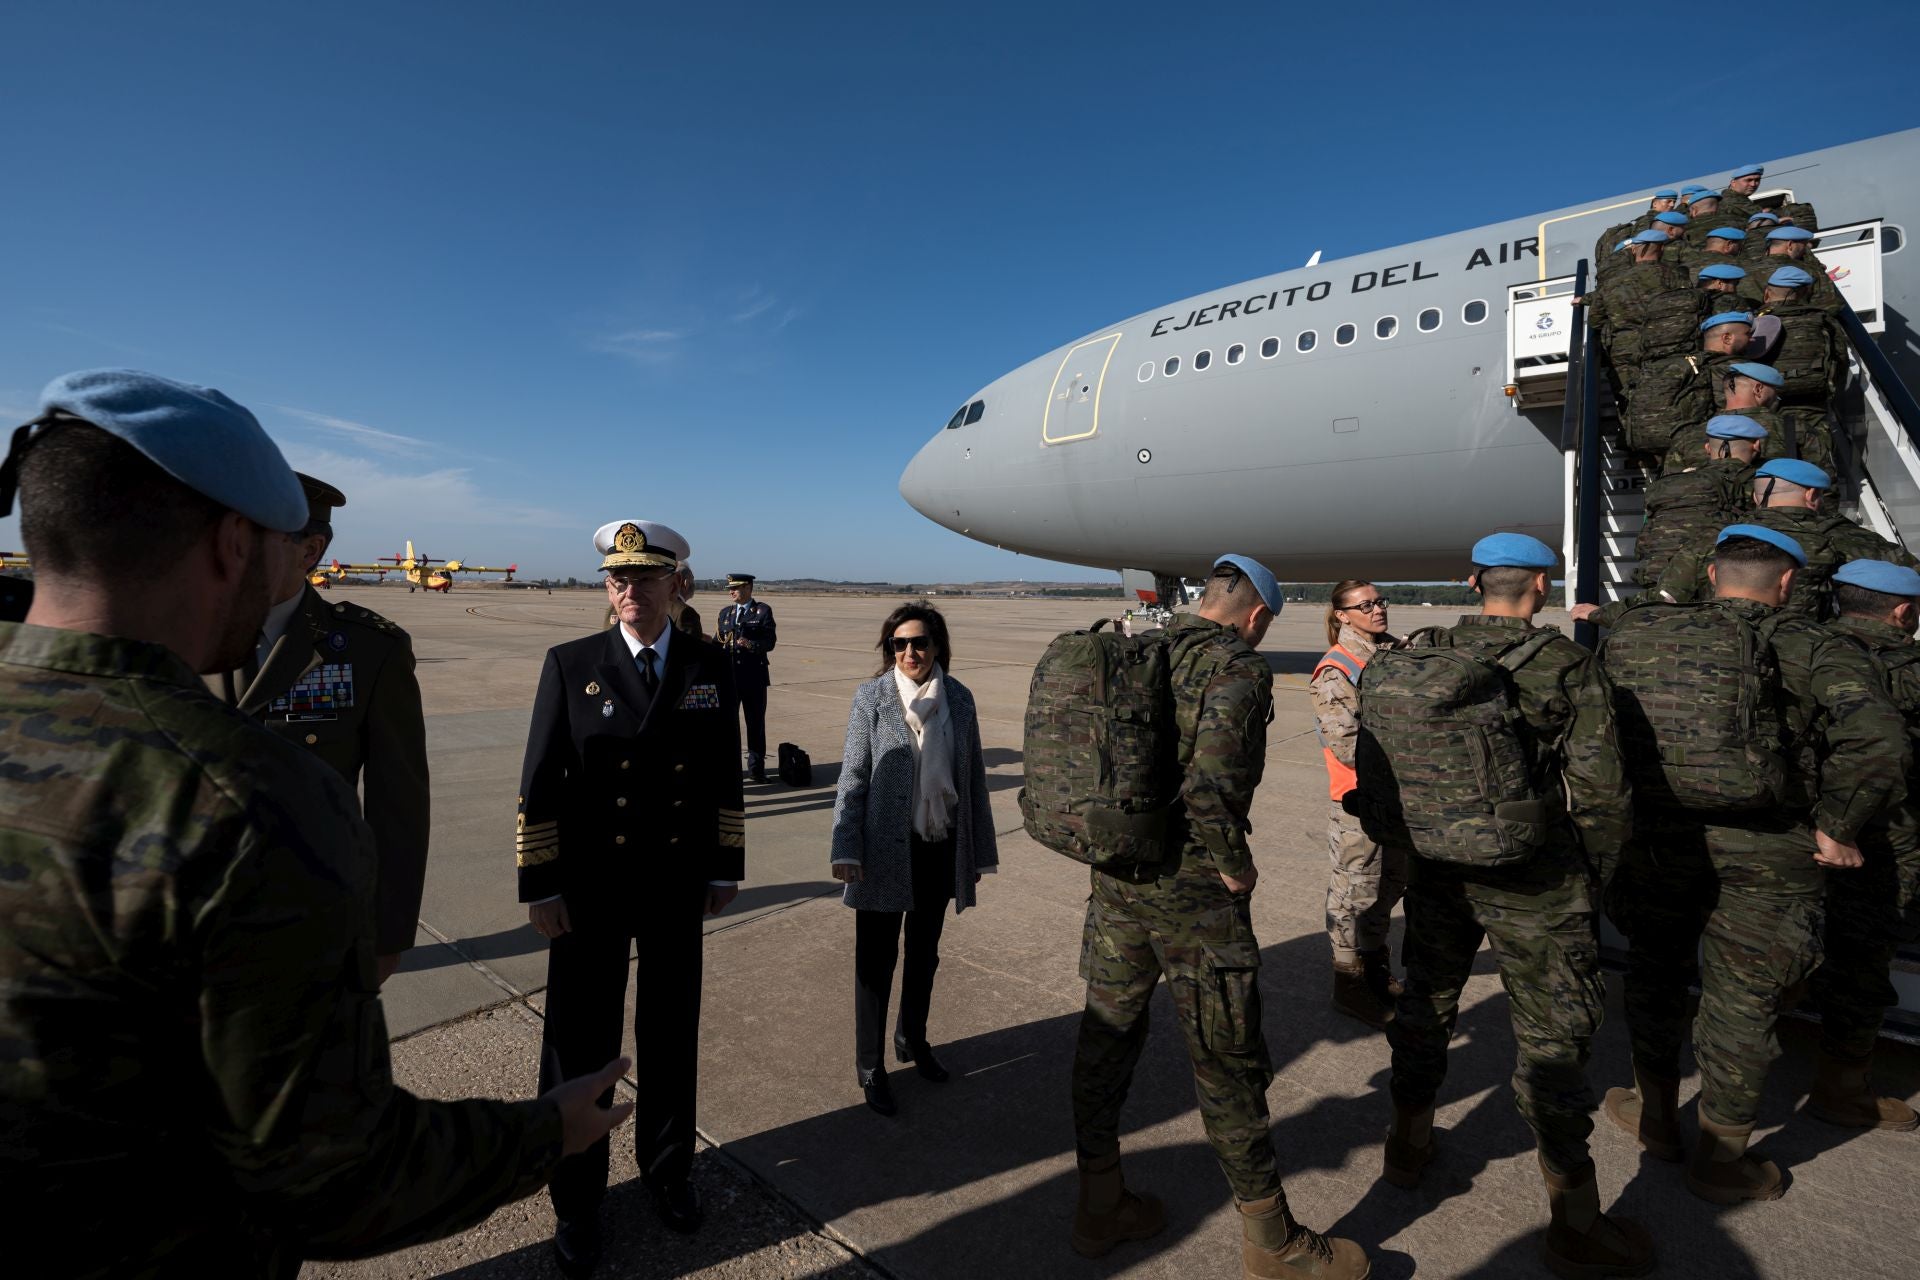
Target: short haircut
(915,611)
(1749,562)
(1229,588)
(1862,602)
(1506,581)
(92,505)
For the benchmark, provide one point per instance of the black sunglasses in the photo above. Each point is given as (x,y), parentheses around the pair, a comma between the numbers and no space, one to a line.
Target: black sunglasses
(919,643)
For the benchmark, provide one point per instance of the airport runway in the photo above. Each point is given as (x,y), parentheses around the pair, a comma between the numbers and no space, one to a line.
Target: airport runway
(975,1178)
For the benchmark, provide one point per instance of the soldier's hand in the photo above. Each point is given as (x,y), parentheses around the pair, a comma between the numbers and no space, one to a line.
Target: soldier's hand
(718,896)
(550,919)
(850,872)
(1581,612)
(1241,886)
(1829,852)
(583,1121)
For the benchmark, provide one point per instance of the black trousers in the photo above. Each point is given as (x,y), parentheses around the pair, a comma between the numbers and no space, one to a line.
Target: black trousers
(876,946)
(753,701)
(586,1001)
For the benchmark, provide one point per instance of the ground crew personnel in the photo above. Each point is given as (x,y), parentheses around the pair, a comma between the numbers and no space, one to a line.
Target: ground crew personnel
(1793,246)
(1749,882)
(1189,916)
(1872,909)
(1736,198)
(1367,878)
(338,680)
(1536,912)
(747,633)
(631,830)
(195,1077)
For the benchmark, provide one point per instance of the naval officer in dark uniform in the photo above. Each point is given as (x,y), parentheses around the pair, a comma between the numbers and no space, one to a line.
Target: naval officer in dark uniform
(337,680)
(684,617)
(746,633)
(631,826)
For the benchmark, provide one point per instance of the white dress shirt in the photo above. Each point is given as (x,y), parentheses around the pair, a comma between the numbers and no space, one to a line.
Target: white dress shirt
(279,618)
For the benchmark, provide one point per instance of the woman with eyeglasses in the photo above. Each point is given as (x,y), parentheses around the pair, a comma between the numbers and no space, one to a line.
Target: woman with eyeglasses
(1367,879)
(911,833)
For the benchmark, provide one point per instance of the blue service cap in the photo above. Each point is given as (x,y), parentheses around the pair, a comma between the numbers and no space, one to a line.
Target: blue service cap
(1763,215)
(1260,576)
(1734,426)
(195,434)
(1767,535)
(1723,271)
(1751,170)
(1666,193)
(1790,233)
(1672,218)
(1758,372)
(1790,278)
(1725,317)
(1796,471)
(1649,236)
(1514,550)
(1878,575)
(1726,233)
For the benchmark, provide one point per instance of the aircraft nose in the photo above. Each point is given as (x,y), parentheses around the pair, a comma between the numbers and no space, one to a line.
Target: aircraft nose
(918,480)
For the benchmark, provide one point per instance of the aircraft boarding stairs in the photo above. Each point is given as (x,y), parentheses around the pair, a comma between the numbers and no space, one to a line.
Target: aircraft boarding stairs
(1877,439)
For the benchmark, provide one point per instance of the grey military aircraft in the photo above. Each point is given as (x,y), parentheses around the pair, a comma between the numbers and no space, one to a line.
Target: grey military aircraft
(1251,417)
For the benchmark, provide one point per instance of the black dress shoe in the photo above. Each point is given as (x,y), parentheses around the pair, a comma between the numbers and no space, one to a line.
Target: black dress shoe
(921,1056)
(678,1205)
(576,1247)
(879,1092)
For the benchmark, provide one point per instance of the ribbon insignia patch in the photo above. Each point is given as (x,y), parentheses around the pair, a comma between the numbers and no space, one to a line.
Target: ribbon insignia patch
(328,687)
(701,697)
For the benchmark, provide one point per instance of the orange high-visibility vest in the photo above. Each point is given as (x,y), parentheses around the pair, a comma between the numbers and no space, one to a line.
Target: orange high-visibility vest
(1340,777)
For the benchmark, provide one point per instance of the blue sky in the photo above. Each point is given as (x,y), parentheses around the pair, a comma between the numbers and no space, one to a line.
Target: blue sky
(504,271)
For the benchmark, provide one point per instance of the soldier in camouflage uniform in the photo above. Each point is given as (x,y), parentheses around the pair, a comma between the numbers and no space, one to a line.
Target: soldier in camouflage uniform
(1677,391)
(1751,390)
(1603,248)
(1749,884)
(193,1060)
(1806,344)
(1618,309)
(1537,915)
(1736,198)
(1793,246)
(1728,287)
(1721,244)
(1189,917)
(1875,908)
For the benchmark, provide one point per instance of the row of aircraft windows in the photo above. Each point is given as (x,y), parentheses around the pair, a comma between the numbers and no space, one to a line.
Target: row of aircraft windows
(1385,327)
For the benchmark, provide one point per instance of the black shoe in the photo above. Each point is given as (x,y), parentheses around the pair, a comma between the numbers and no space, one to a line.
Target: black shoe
(576,1247)
(678,1205)
(921,1056)
(879,1092)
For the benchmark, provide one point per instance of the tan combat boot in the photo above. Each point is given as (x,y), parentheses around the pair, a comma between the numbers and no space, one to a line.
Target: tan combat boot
(1583,1243)
(1409,1146)
(1354,996)
(1843,1095)
(1649,1112)
(1109,1213)
(1275,1247)
(1723,1173)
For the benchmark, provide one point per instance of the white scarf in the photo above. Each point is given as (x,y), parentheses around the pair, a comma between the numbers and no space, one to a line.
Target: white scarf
(934,796)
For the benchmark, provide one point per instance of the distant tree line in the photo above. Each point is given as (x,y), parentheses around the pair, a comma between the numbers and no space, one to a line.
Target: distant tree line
(1415,593)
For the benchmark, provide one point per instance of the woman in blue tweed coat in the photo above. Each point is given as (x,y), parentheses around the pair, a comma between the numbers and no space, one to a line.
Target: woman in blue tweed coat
(911,832)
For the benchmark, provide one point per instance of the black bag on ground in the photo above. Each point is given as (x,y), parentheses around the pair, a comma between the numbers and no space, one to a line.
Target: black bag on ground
(796,766)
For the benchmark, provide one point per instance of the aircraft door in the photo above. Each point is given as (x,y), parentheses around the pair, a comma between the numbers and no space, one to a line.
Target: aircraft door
(1073,402)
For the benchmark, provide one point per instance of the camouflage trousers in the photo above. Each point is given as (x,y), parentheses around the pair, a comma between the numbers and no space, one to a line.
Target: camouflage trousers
(1538,918)
(1367,881)
(1189,927)
(1747,903)
(1871,910)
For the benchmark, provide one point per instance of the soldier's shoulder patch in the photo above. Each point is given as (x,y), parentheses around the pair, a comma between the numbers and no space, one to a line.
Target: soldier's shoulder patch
(701,697)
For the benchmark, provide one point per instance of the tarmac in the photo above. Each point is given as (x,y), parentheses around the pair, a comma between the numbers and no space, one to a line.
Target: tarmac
(976,1177)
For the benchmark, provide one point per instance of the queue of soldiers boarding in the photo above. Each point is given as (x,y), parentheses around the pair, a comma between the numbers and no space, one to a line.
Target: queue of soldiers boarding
(191,952)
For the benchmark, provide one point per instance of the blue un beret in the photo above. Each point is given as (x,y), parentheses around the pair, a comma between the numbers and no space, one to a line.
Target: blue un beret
(1797,471)
(1726,233)
(1260,576)
(1514,550)
(1672,218)
(195,434)
(1765,373)
(1750,170)
(1725,317)
(1693,189)
(1666,193)
(1767,535)
(1734,426)
(1649,236)
(1790,278)
(1878,575)
(1763,215)
(1722,271)
(1790,233)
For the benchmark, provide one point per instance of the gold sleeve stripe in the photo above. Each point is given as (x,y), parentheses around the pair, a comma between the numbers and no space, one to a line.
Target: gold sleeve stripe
(732,824)
(525,828)
(535,857)
(741,814)
(733,840)
(529,846)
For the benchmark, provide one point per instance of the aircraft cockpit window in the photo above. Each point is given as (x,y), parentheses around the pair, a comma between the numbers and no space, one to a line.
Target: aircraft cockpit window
(975,411)
(1236,353)
(1145,372)
(1429,319)
(1270,348)
(1386,326)
(1344,335)
(1306,340)
(1474,312)
(1172,366)
(959,416)
(1201,359)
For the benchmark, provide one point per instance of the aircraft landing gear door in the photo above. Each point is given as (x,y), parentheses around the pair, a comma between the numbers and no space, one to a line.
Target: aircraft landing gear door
(1073,406)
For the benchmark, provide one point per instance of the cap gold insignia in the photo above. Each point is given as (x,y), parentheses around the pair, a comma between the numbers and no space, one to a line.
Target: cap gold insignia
(629,539)
(593,687)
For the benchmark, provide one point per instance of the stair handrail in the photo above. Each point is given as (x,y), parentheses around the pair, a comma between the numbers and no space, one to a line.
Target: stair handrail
(1881,372)
(1580,432)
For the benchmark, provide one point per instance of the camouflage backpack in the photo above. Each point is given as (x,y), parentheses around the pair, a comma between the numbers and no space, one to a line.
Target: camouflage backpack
(1686,508)
(1805,357)
(1102,782)
(1697,704)
(1802,214)
(1668,394)
(1669,322)
(1443,762)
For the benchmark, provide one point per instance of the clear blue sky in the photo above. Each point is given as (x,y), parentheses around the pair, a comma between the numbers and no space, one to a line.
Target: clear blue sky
(504,271)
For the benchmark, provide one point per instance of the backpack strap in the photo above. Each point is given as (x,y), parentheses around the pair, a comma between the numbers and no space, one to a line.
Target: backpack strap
(1520,654)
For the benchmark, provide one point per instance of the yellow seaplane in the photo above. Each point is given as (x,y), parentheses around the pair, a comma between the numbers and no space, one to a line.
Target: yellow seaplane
(429,573)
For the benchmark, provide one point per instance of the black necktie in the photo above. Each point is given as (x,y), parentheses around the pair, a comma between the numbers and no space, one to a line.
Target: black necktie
(648,676)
